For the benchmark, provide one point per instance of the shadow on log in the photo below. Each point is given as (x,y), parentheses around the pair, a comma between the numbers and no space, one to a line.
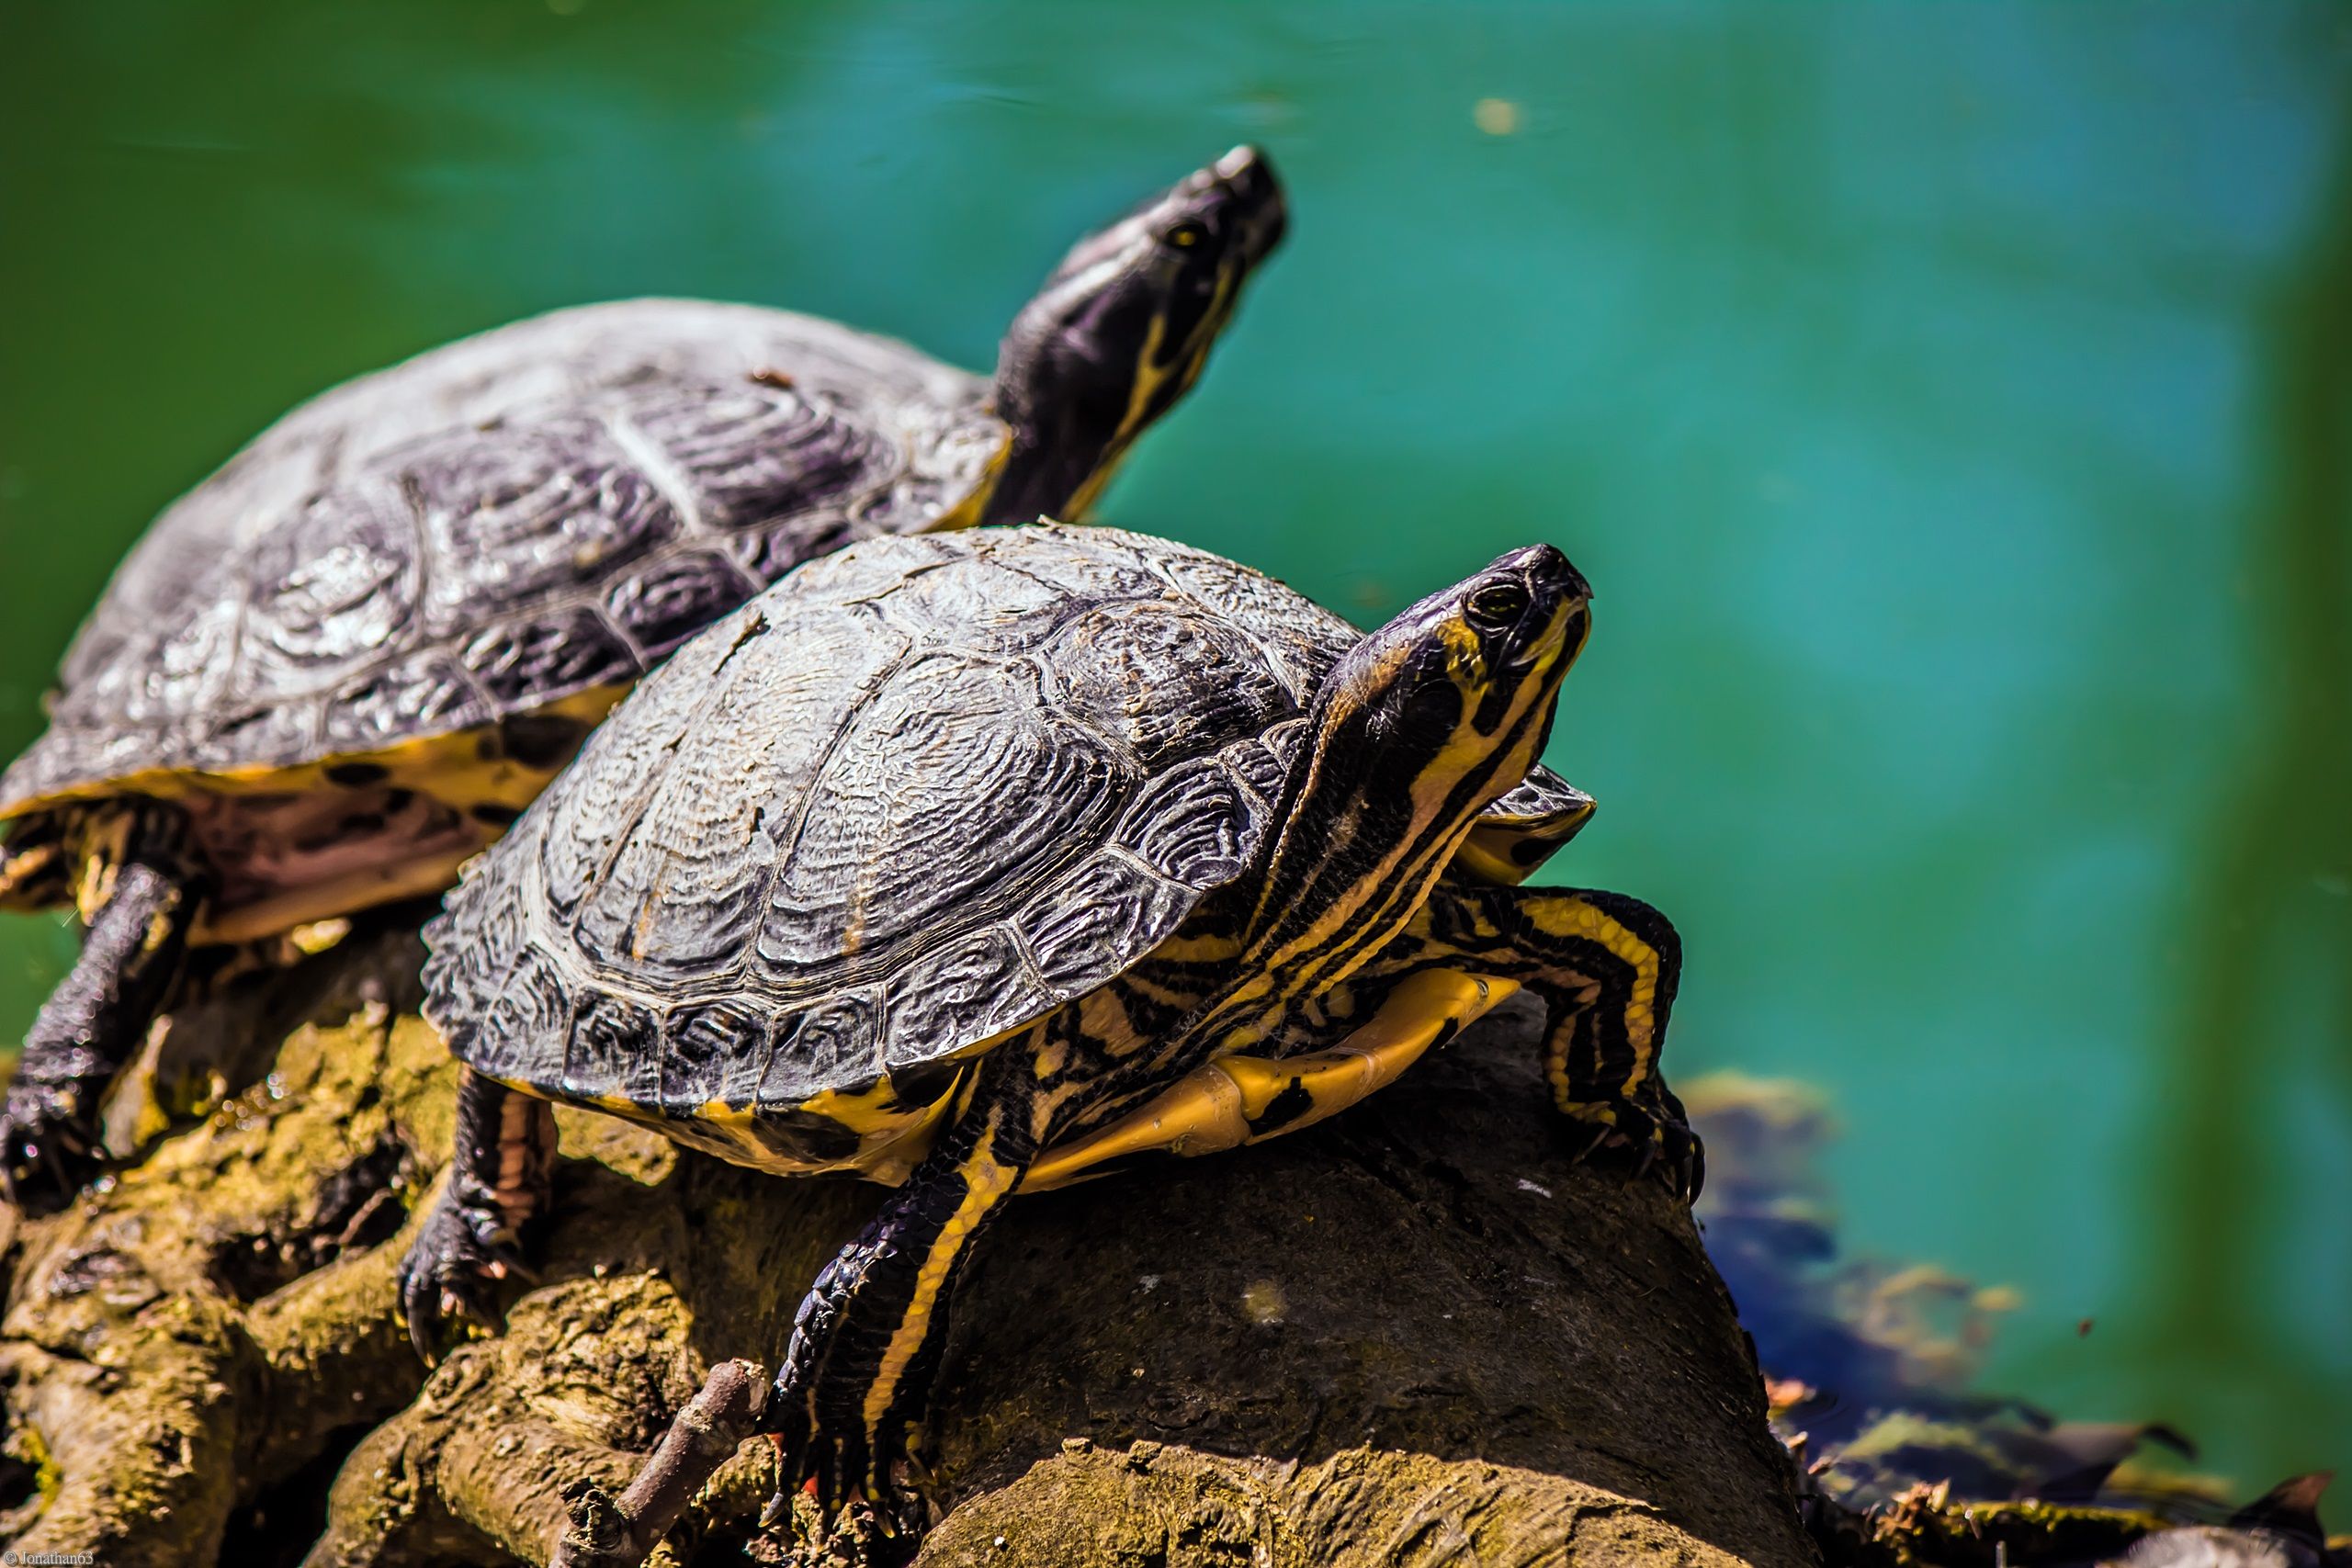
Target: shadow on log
(1414,1335)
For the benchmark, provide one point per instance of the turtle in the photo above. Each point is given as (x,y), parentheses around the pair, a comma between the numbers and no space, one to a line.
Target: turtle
(347,661)
(979,863)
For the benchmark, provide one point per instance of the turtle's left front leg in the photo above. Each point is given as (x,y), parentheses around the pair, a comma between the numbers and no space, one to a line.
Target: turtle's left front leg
(1606,968)
(143,887)
(501,1173)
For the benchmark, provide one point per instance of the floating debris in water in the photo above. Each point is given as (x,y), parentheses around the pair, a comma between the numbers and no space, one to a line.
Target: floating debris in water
(1867,1373)
(1496,117)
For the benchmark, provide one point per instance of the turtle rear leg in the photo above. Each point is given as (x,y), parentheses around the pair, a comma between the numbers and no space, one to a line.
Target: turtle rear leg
(849,1401)
(1606,968)
(501,1176)
(1246,1098)
(142,887)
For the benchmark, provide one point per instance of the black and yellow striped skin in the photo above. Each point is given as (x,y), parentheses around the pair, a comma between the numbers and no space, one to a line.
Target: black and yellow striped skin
(1605,967)
(1121,332)
(1303,986)
(1366,931)
(142,890)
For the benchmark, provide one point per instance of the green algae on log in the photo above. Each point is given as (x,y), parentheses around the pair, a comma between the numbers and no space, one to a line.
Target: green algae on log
(1415,1334)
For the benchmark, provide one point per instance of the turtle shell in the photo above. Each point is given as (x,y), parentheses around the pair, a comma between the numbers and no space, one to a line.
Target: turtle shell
(492,531)
(916,797)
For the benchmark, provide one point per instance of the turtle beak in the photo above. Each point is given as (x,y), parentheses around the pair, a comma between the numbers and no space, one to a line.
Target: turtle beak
(1249,199)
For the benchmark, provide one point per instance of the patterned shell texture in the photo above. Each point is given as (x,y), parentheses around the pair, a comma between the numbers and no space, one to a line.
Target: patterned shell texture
(918,793)
(496,525)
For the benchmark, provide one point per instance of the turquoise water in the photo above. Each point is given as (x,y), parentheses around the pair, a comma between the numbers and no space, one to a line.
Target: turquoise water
(1952,407)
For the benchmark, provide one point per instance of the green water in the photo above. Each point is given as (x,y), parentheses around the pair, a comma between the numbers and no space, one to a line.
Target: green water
(1950,405)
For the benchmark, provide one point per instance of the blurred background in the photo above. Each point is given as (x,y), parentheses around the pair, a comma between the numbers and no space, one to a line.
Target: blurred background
(1952,407)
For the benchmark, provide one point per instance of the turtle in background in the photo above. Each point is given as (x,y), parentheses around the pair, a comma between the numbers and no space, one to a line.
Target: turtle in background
(979,863)
(345,662)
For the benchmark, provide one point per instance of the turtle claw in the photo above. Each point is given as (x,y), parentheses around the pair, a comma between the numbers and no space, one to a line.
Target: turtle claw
(464,1253)
(852,1490)
(1660,1142)
(49,1148)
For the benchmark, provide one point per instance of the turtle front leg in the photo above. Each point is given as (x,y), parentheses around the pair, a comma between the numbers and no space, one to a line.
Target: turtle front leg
(499,1177)
(848,1406)
(142,890)
(1606,968)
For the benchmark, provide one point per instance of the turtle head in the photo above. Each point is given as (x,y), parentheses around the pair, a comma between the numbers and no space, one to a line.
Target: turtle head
(1418,729)
(1121,330)
(1449,704)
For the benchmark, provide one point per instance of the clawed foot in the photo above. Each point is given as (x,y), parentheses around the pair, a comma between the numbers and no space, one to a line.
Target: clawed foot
(873,1498)
(466,1251)
(1655,1137)
(51,1145)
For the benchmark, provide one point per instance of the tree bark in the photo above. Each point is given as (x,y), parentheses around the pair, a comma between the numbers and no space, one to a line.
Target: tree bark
(1416,1334)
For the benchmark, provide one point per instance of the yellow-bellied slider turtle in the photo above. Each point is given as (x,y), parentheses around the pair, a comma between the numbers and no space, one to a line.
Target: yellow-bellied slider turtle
(977,862)
(345,662)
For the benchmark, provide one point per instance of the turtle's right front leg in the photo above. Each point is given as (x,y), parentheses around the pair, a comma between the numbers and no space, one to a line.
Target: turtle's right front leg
(143,890)
(1607,968)
(849,1402)
(500,1177)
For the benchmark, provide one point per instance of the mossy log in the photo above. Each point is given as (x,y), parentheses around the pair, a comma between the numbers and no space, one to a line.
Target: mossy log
(1416,1334)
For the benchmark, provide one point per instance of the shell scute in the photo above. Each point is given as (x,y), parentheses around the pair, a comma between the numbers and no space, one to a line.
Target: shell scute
(279,730)
(875,568)
(753,453)
(331,586)
(1303,638)
(426,689)
(972,989)
(949,753)
(766,554)
(671,599)
(994,610)
(685,880)
(598,801)
(569,648)
(714,1050)
(614,1048)
(684,893)
(1086,572)
(830,1045)
(542,506)
(470,972)
(532,1008)
(1192,825)
(190,673)
(1263,766)
(1086,926)
(1166,679)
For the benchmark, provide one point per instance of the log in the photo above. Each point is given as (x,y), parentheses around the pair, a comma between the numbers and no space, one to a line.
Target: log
(1416,1334)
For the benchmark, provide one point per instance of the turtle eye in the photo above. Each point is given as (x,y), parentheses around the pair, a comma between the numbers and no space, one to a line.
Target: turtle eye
(1499,605)
(1186,235)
